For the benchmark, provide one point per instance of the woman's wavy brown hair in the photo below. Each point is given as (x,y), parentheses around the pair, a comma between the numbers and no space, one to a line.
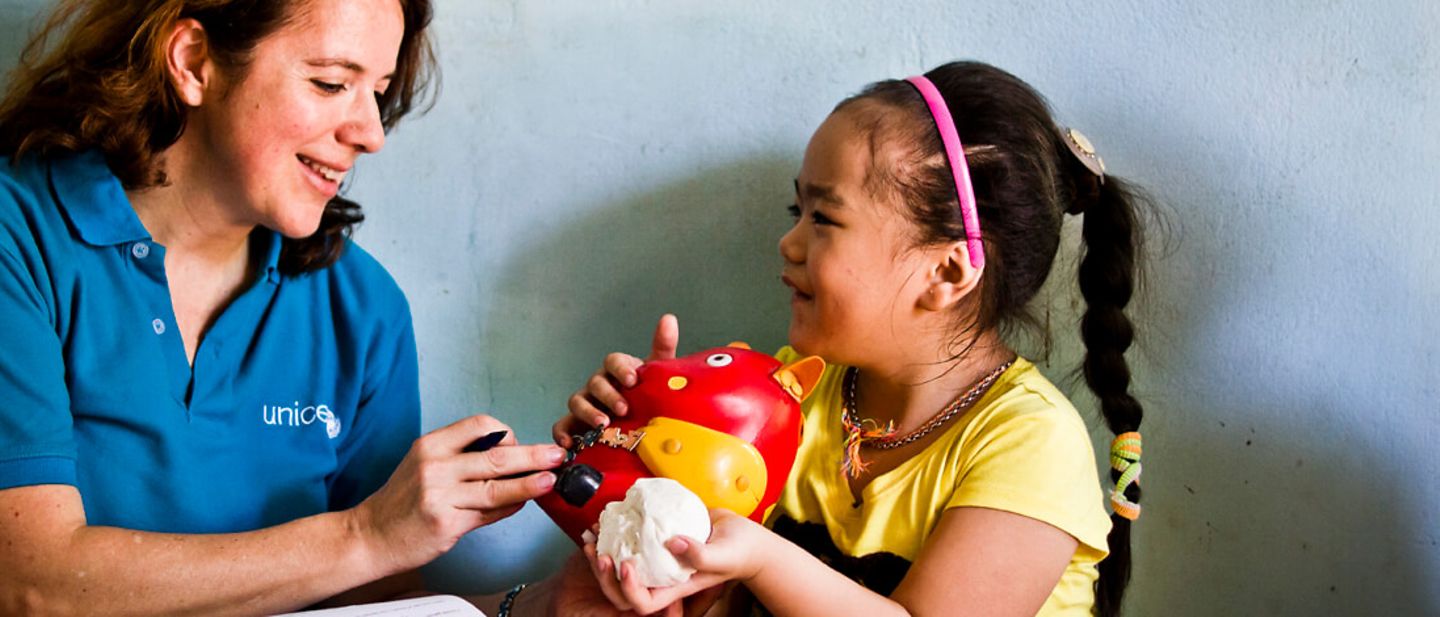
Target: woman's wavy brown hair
(105,86)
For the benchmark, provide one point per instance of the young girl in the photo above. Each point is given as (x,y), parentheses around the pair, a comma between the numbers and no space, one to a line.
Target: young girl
(940,473)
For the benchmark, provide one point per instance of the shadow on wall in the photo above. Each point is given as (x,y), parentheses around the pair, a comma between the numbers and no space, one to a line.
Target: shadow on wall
(703,247)
(1268,517)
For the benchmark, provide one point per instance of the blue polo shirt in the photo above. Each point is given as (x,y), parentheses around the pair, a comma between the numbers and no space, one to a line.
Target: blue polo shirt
(303,396)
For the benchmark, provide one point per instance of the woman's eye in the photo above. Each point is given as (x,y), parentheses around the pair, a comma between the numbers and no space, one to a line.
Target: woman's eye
(328,87)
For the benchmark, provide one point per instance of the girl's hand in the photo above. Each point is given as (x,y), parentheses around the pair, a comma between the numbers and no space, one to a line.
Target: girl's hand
(592,404)
(439,492)
(733,553)
(577,594)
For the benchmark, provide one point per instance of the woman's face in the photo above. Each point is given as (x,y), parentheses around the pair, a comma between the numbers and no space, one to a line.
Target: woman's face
(281,134)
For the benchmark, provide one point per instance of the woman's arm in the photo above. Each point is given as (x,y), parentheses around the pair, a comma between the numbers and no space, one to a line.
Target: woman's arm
(54,563)
(978,562)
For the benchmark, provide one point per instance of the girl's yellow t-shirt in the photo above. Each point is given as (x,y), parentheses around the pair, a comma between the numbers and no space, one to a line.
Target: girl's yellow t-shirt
(1021,448)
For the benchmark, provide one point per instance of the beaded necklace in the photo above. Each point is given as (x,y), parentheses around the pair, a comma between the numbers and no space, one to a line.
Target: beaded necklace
(869,434)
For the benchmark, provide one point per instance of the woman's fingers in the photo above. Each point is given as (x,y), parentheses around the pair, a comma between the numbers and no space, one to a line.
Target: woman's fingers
(502,461)
(495,494)
(498,514)
(452,439)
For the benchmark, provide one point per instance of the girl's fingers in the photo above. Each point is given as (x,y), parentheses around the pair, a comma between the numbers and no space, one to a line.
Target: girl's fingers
(560,431)
(584,412)
(636,594)
(602,567)
(600,389)
(611,588)
(622,367)
(646,601)
(666,338)
(688,552)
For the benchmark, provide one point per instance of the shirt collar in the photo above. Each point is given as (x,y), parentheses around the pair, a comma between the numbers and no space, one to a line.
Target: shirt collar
(95,201)
(272,251)
(92,197)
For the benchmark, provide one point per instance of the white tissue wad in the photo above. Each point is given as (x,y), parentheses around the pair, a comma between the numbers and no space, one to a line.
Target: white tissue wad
(636,529)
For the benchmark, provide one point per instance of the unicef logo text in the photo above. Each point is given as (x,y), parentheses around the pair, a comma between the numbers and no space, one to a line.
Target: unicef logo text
(276,415)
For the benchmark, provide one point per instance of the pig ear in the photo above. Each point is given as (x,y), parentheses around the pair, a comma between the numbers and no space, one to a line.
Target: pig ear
(799,377)
(739,345)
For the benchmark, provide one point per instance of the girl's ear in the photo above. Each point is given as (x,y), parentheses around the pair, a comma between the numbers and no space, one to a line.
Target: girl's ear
(951,279)
(187,61)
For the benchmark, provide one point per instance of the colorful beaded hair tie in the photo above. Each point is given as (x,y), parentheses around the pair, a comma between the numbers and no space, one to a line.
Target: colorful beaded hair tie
(1125,458)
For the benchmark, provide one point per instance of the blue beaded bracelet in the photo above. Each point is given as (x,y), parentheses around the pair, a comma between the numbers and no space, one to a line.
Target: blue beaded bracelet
(509,600)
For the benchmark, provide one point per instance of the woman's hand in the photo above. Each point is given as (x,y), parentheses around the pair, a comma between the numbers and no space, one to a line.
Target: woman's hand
(592,404)
(439,492)
(733,553)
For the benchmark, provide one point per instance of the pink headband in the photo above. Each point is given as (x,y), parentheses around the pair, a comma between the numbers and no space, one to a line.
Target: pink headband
(955,154)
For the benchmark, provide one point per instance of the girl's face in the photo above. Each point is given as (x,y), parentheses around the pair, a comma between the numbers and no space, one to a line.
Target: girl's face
(282,138)
(848,258)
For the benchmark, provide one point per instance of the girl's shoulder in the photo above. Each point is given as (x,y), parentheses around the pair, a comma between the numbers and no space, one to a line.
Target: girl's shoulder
(787,354)
(1024,394)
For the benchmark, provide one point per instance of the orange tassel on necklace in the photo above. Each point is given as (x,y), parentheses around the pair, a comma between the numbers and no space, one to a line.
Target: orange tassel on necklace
(856,435)
(862,432)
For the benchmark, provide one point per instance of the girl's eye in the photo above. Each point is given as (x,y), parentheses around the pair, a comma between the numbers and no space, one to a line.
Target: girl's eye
(794,210)
(820,218)
(328,87)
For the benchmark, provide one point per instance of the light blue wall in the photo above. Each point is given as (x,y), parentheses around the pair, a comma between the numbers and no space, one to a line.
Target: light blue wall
(591,164)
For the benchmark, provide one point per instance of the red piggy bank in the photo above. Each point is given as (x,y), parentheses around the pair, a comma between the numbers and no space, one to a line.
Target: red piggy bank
(725,423)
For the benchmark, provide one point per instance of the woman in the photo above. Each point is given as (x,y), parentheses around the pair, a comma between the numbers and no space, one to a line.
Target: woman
(205,383)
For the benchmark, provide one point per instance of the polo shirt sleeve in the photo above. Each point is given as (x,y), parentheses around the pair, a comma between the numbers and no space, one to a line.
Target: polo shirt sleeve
(387,420)
(37,443)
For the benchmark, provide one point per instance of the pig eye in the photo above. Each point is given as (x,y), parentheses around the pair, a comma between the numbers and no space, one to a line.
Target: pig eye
(719,359)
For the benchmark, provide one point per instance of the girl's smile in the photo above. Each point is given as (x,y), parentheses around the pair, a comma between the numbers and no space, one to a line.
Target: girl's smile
(848,262)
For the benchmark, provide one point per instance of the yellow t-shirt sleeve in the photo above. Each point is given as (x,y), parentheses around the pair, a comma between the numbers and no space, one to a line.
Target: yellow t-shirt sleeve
(1037,463)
